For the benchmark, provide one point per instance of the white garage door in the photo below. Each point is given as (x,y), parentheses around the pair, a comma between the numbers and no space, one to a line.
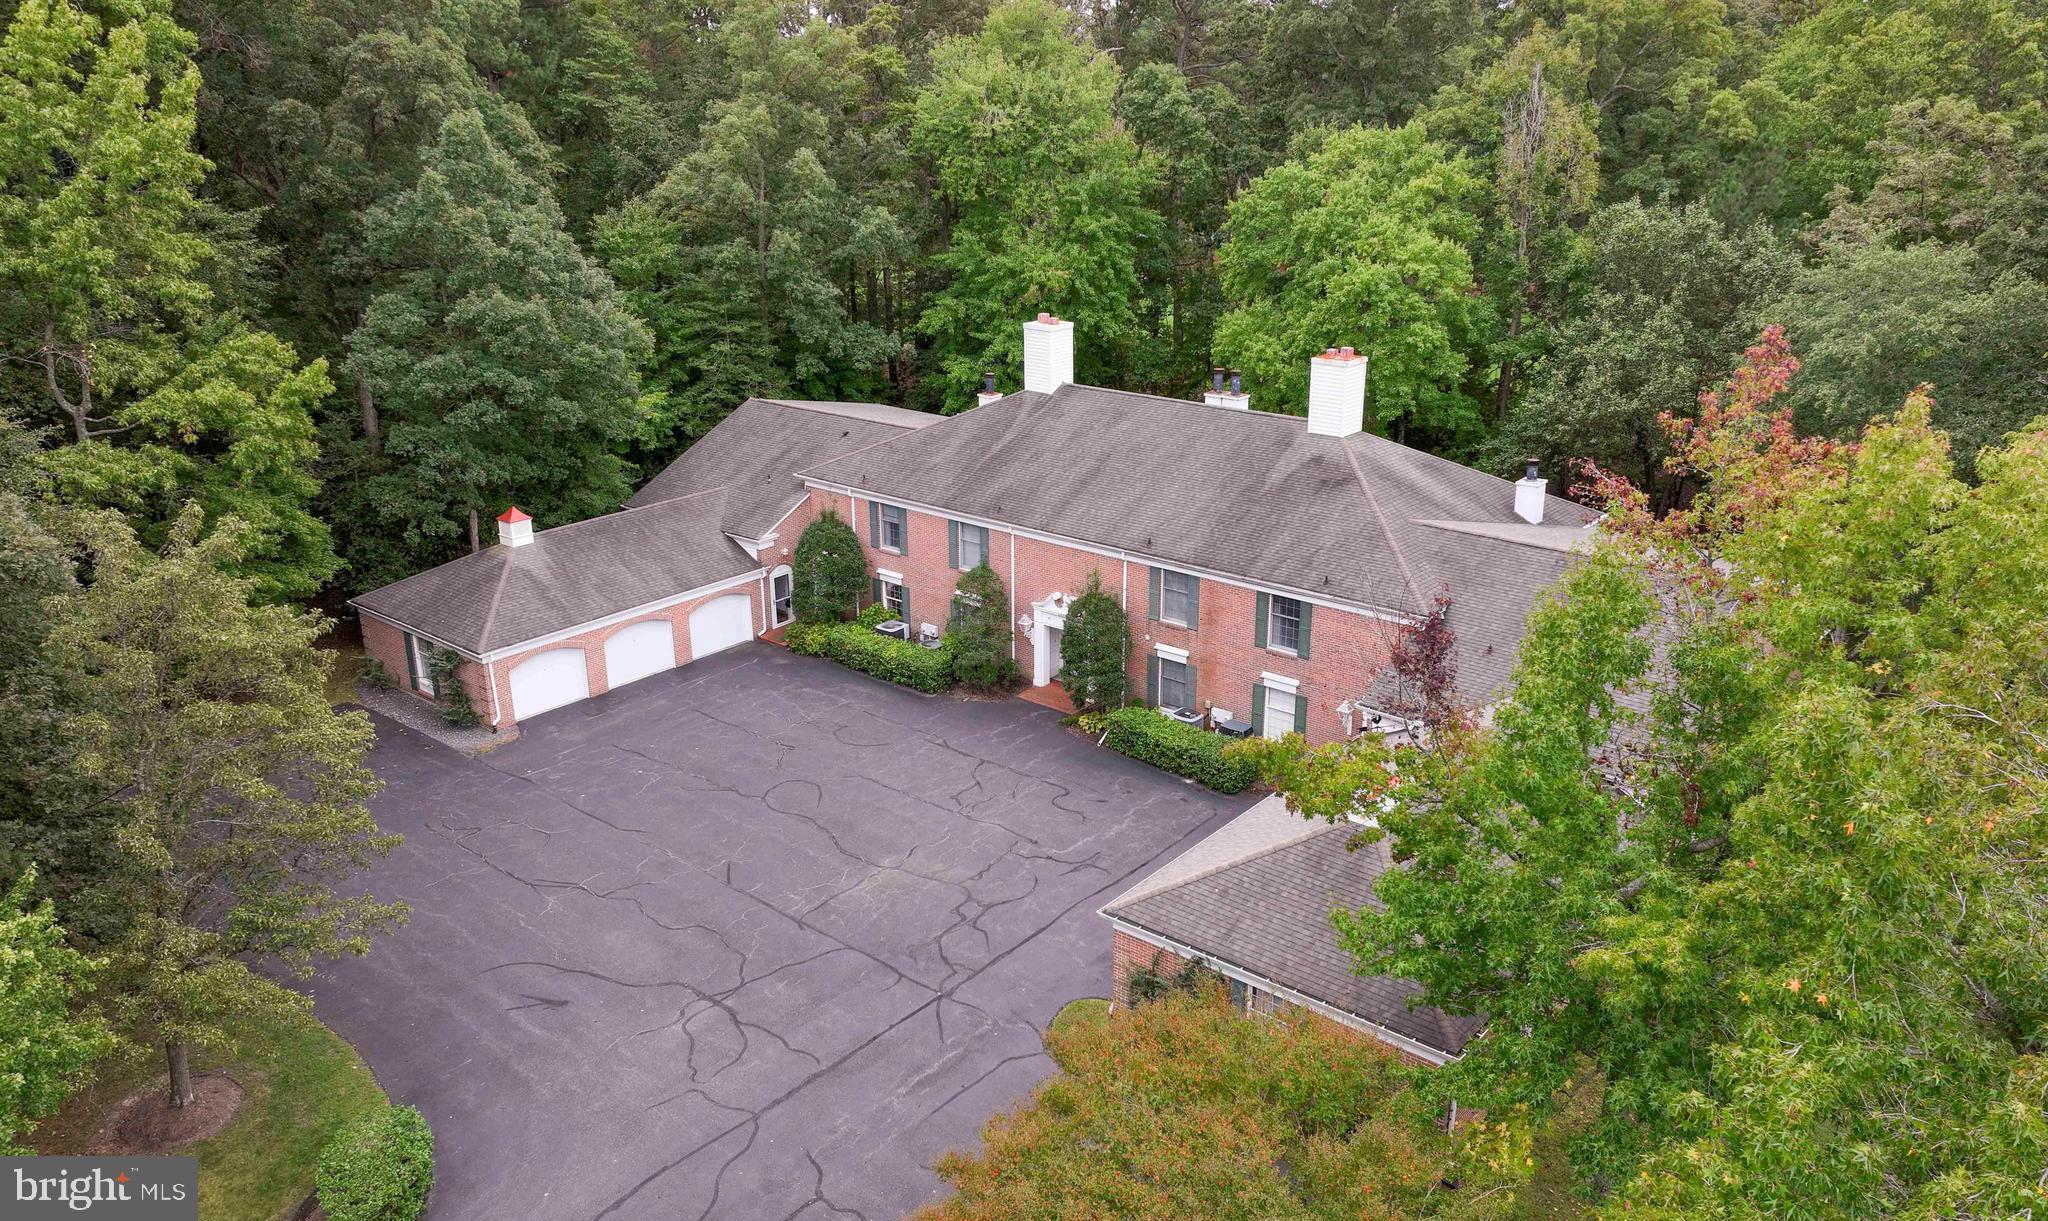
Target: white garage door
(720,624)
(548,680)
(638,650)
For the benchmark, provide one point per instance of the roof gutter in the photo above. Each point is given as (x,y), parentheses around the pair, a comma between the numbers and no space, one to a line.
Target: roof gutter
(1421,1051)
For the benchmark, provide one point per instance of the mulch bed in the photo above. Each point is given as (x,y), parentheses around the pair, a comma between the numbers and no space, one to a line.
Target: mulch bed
(145,1122)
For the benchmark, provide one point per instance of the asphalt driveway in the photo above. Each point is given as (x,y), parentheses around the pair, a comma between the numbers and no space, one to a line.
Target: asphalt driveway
(757,938)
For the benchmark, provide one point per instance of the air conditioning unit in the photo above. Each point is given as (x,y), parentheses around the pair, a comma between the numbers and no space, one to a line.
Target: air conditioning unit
(1186,716)
(894,627)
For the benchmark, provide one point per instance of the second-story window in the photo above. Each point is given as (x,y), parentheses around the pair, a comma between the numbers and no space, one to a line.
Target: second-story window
(1283,624)
(970,546)
(1177,594)
(892,528)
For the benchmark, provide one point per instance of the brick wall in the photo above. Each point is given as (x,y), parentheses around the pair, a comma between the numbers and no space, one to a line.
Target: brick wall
(1128,955)
(1346,650)
(387,645)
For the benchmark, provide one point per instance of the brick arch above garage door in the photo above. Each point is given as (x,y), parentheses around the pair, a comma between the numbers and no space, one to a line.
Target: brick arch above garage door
(720,624)
(549,680)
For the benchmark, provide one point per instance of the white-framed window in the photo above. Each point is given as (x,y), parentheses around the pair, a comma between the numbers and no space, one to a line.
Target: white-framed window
(892,527)
(893,596)
(970,546)
(782,587)
(1283,624)
(1174,684)
(420,667)
(1177,598)
(1279,718)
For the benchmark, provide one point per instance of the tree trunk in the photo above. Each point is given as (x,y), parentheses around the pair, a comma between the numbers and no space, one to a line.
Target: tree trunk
(373,432)
(474,545)
(181,1074)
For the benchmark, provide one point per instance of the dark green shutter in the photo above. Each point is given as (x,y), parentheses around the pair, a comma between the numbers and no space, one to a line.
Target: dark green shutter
(874,524)
(904,614)
(1258,710)
(1265,608)
(1194,602)
(1302,650)
(874,590)
(1152,680)
(905,550)
(1152,606)
(1194,701)
(1301,707)
(952,543)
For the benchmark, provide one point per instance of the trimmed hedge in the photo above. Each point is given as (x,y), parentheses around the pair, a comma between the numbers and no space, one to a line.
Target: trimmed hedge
(857,645)
(378,1168)
(903,662)
(1153,737)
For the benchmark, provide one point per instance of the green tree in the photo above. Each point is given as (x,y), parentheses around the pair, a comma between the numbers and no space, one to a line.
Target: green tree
(240,790)
(1362,239)
(45,1046)
(1095,649)
(1872,322)
(503,359)
(1044,192)
(1670,295)
(828,572)
(162,393)
(758,272)
(980,631)
(1766,875)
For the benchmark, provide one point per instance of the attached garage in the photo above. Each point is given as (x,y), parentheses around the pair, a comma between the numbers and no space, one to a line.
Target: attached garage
(638,650)
(548,680)
(720,624)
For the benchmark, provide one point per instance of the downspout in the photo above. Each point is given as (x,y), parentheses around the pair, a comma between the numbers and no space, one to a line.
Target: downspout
(764,602)
(491,677)
(1013,595)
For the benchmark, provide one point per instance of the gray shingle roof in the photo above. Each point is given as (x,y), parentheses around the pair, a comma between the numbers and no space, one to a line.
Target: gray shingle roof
(1250,494)
(567,576)
(1268,914)
(757,450)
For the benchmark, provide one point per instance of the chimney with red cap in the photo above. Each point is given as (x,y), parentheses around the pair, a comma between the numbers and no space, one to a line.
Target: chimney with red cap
(1336,393)
(515,529)
(1048,354)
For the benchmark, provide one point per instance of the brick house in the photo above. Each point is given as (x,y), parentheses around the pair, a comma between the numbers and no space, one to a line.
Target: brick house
(1267,563)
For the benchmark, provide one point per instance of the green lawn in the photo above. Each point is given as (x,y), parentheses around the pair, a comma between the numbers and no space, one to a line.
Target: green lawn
(303,1082)
(1087,1009)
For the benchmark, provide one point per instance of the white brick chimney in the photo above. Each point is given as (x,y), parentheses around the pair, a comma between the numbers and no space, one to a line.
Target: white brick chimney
(515,529)
(1226,389)
(1048,354)
(1529,492)
(1336,393)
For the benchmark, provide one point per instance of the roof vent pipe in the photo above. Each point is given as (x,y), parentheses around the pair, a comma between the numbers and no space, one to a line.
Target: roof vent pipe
(515,529)
(1529,494)
(1336,393)
(1048,354)
(989,393)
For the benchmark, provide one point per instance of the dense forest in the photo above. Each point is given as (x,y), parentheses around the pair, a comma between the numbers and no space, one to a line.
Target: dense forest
(367,271)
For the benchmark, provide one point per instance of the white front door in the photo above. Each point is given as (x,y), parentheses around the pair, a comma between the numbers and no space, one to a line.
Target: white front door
(548,680)
(720,624)
(638,650)
(1279,712)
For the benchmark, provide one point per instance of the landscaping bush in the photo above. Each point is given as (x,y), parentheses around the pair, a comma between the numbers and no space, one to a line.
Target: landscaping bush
(980,632)
(378,1168)
(808,639)
(1152,736)
(376,675)
(446,667)
(828,572)
(1095,649)
(875,616)
(858,646)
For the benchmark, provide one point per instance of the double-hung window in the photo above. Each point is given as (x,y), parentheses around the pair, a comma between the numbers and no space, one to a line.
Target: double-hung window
(1174,684)
(892,528)
(970,545)
(419,666)
(893,596)
(1283,624)
(1177,598)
